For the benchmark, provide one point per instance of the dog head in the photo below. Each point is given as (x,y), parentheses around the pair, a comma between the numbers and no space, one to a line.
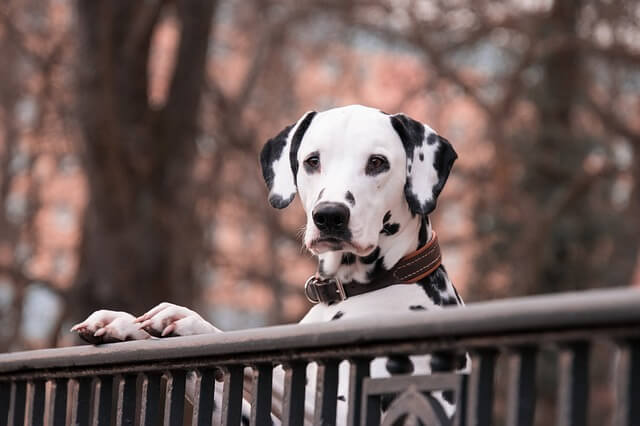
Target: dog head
(350,165)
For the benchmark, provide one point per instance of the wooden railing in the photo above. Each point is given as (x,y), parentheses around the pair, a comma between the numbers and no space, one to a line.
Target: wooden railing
(145,382)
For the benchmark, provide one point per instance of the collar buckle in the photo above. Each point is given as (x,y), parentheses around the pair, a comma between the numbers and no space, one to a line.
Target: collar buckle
(324,290)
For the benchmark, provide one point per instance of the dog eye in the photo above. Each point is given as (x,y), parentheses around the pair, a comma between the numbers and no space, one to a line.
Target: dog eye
(312,162)
(376,164)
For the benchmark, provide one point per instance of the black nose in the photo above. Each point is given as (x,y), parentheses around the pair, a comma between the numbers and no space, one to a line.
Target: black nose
(331,218)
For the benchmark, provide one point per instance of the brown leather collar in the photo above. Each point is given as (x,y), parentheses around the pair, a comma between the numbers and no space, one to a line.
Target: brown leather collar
(410,269)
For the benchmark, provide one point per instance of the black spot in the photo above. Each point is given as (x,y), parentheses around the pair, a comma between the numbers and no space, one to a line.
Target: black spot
(295,144)
(449,301)
(338,315)
(341,398)
(271,152)
(371,258)
(461,361)
(435,285)
(349,197)
(399,364)
(421,156)
(442,361)
(448,396)
(409,168)
(377,269)
(321,267)
(429,287)
(439,280)
(422,234)
(458,298)
(445,361)
(390,228)
(412,200)
(411,134)
(320,194)
(442,162)
(348,259)
(417,308)
(279,202)
(386,217)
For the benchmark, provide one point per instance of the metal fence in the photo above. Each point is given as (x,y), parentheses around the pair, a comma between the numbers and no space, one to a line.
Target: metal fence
(143,382)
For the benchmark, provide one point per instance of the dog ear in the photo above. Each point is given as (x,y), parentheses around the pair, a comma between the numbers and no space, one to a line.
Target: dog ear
(279,162)
(429,161)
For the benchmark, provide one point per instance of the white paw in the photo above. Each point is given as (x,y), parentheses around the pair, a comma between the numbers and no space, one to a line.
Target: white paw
(168,319)
(106,326)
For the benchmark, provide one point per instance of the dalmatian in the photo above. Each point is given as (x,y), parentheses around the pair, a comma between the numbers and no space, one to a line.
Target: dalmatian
(367,181)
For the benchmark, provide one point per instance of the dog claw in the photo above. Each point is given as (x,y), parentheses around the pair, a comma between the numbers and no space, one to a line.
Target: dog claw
(169,329)
(144,324)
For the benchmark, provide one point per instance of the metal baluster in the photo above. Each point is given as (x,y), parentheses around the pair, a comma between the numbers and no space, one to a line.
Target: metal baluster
(295,376)
(521,402)
(102,398)
(174,398)
(371,413)
(360,368)
(126,402)
(573,386)
(480,390)
(203,397)
(232,395)
(326,392)
(35,403)
(5,402)
(18,400)
(149,410)
(79,407)
(460,416)
(261,395)
(58,404)
(628,384)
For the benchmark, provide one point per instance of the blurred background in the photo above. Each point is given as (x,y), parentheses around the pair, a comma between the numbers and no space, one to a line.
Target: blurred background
(130,132)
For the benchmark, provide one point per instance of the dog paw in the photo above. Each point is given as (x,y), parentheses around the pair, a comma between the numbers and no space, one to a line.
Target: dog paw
(168,319)
(106,326)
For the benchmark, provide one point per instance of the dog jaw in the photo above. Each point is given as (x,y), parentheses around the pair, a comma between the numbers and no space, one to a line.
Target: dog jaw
(319,244)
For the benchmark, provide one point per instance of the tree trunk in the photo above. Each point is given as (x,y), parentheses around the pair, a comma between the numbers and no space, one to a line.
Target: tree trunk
(141,235)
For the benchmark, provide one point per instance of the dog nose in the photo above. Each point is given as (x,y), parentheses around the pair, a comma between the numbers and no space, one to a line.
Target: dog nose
(331,217)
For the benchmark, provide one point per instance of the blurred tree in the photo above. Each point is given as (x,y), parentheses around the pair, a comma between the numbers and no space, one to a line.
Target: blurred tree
(554,210)
(571,234)
(141,232)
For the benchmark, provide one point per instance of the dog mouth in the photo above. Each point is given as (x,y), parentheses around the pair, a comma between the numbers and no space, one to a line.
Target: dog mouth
(325,244)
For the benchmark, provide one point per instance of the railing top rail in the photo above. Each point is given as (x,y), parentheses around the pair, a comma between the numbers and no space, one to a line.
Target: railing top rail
(579,310)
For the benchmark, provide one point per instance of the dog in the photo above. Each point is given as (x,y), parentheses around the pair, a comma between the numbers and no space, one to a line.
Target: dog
(367,181)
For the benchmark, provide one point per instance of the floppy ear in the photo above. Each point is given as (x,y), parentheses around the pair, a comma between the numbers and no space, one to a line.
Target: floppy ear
(429,161)
(279,162)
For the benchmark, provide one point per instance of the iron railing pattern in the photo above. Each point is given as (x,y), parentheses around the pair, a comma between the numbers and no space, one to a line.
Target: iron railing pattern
(143,382)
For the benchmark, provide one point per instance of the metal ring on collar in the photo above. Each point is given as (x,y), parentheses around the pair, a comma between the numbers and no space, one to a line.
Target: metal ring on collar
(315,298)
(306,290)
